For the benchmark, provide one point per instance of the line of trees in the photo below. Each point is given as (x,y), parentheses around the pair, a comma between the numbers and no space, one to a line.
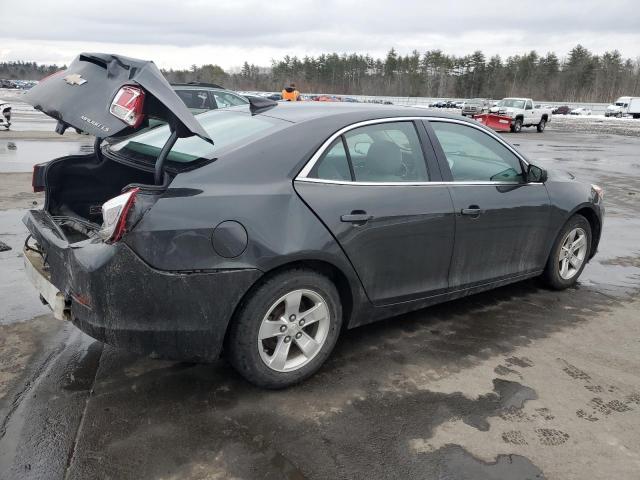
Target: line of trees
(579,77)
(26,70)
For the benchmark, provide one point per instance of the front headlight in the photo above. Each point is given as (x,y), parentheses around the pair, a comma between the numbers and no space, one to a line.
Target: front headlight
(598,192)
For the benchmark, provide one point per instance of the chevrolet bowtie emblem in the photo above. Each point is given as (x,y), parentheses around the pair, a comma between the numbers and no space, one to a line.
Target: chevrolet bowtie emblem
(74,79)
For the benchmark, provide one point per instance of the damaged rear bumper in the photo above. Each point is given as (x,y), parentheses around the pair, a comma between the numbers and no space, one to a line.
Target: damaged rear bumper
(108,292)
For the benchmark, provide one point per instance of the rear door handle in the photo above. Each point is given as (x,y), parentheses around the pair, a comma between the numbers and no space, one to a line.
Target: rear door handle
(357,217)
(473,211)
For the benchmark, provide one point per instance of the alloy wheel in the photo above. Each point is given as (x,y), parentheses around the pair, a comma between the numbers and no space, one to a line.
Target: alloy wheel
(294,330)
(572,253)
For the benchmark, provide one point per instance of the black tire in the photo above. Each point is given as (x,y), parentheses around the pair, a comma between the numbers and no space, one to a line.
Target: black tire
(551,275)
(541,125)
(517,125)
(241,347)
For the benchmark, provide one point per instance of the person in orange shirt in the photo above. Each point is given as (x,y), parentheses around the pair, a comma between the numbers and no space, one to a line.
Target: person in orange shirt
(290,94)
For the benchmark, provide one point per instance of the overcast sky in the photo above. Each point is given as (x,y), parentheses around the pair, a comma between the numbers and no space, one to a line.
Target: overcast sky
(180,33)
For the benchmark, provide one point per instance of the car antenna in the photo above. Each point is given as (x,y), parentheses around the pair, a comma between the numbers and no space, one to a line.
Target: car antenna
(260,104)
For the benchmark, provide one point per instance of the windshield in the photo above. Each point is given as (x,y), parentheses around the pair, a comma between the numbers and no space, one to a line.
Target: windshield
(511,103)
(475,101)
(227,128)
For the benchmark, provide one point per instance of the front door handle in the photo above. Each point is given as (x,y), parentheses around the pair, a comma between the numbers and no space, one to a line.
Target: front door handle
(357,217)
(473,211)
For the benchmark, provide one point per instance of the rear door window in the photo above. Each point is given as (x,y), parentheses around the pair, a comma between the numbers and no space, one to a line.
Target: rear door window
(384,152)
(334,164)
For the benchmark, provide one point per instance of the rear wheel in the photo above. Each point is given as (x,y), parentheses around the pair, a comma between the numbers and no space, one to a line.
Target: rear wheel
(286,329)
(569,254)
(517,125)
(541,125)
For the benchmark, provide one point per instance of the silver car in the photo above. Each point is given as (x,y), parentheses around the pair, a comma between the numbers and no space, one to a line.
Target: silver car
(475,106)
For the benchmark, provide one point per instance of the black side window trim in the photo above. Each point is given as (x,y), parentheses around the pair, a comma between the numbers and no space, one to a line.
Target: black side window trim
(348,154)
(212,98)
(434,173)
(441,158)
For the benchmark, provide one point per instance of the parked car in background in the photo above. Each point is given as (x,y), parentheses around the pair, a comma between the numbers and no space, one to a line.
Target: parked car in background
(213,231)
(459,104)
(563,110)
(326,98)
(475,106)
(200,97)
(275,97)
(580,111)
(5,115)
(618,108)
(523,113)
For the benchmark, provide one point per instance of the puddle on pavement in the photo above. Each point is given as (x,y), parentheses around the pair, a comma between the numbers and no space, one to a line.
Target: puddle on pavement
(456,463)
(21,155)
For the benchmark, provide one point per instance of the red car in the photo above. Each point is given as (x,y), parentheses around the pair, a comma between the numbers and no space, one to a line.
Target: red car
(563,110)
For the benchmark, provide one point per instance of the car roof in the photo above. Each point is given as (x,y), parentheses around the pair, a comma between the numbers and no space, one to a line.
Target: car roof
(198,85)
(297,112)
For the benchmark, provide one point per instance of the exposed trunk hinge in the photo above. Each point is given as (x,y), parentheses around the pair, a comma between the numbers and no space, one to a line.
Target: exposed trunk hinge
(159,167)
(96,148)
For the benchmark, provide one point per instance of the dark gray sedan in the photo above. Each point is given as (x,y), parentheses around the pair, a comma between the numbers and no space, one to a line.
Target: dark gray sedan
(263,231)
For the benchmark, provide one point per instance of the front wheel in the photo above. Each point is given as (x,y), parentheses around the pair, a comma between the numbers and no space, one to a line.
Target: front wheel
(286,328)
(569,254)
(517,126)
(541,125)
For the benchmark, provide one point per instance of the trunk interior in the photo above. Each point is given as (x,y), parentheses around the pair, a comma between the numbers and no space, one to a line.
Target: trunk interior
(78,185)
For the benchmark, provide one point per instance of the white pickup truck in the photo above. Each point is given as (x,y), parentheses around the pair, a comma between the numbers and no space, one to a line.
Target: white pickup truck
(523,113)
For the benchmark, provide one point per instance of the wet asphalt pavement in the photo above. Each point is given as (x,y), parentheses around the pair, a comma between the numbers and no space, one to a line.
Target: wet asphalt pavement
(520,382)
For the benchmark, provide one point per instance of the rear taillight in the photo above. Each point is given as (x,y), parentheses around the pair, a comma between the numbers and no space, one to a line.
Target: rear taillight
(37,178)
(114,215)
(127,105)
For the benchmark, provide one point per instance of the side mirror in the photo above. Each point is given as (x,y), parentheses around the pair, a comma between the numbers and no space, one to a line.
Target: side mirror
(536,174)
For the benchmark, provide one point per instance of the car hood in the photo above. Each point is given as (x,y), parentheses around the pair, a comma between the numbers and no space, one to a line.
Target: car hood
(508,110)
(81,95)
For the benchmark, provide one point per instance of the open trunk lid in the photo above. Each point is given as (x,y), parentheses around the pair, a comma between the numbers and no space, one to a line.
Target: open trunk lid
(81,96)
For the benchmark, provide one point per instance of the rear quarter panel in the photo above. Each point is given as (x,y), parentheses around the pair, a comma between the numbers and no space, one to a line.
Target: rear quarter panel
(252,185)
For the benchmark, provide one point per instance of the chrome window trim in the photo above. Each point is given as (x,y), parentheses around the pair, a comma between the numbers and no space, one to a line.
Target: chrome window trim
(303,175)
(413,184)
